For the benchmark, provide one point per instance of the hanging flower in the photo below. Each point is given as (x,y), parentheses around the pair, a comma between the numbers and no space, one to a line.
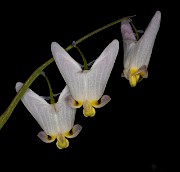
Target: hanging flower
(137,53)
(86,86)
(56,120)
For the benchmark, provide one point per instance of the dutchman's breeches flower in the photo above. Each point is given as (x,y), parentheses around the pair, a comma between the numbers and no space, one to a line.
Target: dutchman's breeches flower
(86,86)
(137,53)
(56,120)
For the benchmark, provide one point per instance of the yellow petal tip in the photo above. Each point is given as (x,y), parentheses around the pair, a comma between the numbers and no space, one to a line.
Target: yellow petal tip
(90,113)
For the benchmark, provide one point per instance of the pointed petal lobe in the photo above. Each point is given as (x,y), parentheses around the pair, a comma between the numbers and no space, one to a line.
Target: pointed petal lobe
(129,41)
(146,42)
(42,111)
(127,32)
(65,115)
(100,71)
(70,70)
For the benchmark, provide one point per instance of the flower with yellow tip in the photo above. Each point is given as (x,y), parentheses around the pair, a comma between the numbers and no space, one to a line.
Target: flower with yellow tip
(137,53)
(56,120)
(86,86)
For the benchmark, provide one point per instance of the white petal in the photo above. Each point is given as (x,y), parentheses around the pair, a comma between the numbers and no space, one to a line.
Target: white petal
(44,137)
(40,110)
(100,71)
(127,31)
(53,119)
(76,130)
(104,100)
(65,114)
(70,70)
(87,84)
(146,42)
(129,41)
(72,103)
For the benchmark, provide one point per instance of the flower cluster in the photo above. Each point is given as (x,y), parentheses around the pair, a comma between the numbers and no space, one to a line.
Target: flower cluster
(85,87)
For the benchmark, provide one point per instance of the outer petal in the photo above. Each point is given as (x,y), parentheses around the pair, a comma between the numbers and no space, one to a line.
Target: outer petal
(75,131)
(101,70)
(129,41)
(44,137)
(70,70)
(65,115)
(104,100)
(146,42)
(73,103)
(42,111)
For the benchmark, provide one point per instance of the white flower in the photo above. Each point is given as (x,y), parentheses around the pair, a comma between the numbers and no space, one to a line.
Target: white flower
(57,120)
(137,53)
(86,86)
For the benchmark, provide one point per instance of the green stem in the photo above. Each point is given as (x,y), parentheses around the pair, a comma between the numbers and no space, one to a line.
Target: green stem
(136,31)
(102,28)
(5,116)
(52,101)
(83,57)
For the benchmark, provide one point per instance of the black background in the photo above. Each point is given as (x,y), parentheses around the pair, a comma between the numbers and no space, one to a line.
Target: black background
(137,129)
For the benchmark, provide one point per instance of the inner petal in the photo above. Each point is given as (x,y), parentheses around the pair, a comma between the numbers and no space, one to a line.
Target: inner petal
(135,76)
(133,80)
(88,110)
(62,142)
